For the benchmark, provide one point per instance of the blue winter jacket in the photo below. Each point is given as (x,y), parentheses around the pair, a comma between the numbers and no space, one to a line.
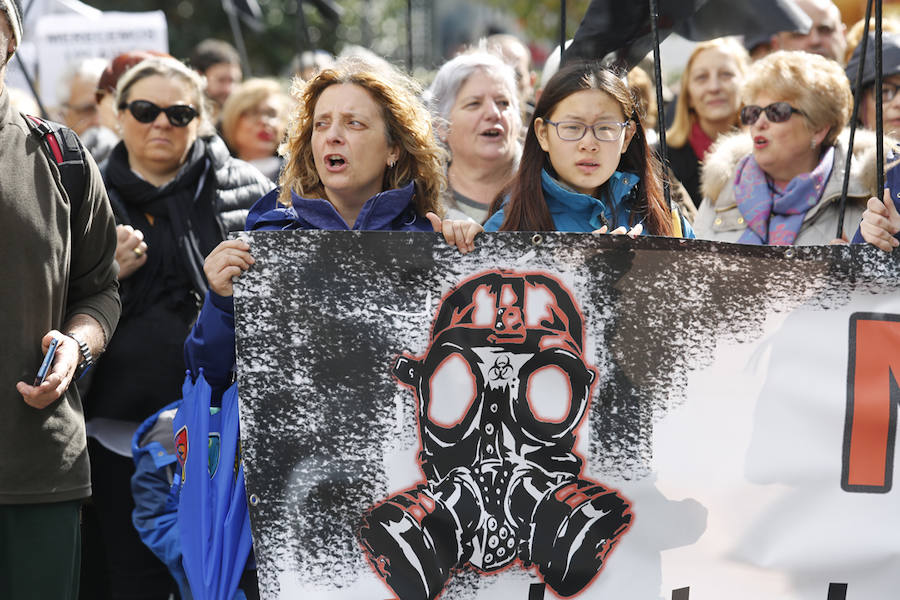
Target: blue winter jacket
(210,344)
(579,213)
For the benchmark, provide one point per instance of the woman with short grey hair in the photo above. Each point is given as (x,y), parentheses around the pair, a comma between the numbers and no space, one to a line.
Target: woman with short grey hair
(475,105)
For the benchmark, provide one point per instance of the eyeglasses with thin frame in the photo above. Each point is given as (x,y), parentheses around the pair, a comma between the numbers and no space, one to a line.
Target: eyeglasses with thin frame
(604,131)
(888,91)
(777,112)
(144,111)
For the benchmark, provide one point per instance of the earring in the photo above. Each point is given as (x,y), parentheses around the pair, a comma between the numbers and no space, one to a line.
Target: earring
(812,144)
(391,164)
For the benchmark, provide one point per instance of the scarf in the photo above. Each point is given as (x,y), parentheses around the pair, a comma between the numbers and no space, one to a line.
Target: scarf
(776,218)
(699,141)
(184,228)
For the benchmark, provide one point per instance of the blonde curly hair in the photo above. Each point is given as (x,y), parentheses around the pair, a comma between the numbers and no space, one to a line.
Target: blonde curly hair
(814,84)
(407,126)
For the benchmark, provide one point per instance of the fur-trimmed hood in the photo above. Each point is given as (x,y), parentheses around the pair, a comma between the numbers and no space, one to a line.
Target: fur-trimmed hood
(722,159)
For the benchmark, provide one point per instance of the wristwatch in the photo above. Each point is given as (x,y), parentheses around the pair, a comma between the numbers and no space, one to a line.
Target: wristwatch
(87,359)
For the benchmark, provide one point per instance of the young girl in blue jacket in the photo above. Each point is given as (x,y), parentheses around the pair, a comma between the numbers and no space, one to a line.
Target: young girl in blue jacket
(586,165)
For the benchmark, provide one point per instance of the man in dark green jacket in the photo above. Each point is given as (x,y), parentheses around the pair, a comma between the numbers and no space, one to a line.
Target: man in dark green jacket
(58,275)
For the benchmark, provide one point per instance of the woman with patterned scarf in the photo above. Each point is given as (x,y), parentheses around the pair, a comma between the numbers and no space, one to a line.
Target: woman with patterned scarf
(779,182)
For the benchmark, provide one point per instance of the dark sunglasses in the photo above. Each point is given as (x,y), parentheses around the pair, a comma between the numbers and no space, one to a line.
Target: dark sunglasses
(777,112)
(144,111)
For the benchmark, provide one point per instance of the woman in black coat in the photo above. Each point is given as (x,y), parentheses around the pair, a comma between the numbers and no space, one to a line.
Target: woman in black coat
(176,193)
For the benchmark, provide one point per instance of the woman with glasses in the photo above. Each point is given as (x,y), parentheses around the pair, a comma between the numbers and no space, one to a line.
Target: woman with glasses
(890,83)
(779,182)
(176,193)
(586,165)
(254,119)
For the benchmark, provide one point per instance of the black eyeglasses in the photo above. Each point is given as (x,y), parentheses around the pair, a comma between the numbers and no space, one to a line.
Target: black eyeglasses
(888,91)
(777,112)
(604,131)
(144,111)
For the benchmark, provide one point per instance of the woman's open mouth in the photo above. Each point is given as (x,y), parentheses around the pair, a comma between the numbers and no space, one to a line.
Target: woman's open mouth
(335,162)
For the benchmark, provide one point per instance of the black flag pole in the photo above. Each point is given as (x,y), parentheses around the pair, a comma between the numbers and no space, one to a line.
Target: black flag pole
(854,119)
(26,8)
(660,106)
(30,81)
(562,32)
(879,120)
(409,37)
(238,35)
(303,38)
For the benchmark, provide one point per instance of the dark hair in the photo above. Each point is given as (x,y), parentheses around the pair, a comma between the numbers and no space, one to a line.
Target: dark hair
(527,210)
(211,52)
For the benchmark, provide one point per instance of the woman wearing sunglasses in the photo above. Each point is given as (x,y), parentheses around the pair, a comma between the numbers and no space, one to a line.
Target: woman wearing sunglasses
(779,182)
(586,166)
(176,192)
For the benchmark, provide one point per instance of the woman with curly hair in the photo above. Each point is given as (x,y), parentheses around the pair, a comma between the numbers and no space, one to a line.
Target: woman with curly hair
(358,133)
(360,155)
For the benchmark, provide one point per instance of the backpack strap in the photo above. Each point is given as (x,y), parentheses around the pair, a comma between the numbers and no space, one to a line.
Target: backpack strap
(63,148)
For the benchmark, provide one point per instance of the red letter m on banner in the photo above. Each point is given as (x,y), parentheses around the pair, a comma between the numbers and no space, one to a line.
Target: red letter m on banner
(872,397)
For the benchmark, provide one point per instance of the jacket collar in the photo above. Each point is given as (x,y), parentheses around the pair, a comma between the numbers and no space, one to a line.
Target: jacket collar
(562,199)
(377,213)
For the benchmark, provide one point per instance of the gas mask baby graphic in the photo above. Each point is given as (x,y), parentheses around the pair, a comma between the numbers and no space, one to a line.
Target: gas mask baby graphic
(501,392)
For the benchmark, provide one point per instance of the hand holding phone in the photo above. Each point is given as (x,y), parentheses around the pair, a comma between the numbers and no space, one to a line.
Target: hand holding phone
(48,360)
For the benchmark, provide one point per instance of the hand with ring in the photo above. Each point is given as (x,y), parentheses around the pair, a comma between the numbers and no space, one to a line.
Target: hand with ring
(131,250)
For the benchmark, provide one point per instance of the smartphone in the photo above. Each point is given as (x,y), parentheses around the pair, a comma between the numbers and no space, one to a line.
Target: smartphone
(48,360)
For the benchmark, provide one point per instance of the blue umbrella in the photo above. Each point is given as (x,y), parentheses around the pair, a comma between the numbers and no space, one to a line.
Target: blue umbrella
(212,512)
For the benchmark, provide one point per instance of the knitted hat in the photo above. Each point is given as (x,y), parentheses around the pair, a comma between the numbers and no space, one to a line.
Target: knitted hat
(890,61)
(14,14)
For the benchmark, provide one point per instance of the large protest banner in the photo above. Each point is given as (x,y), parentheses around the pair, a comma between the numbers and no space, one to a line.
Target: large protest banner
(569,416)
